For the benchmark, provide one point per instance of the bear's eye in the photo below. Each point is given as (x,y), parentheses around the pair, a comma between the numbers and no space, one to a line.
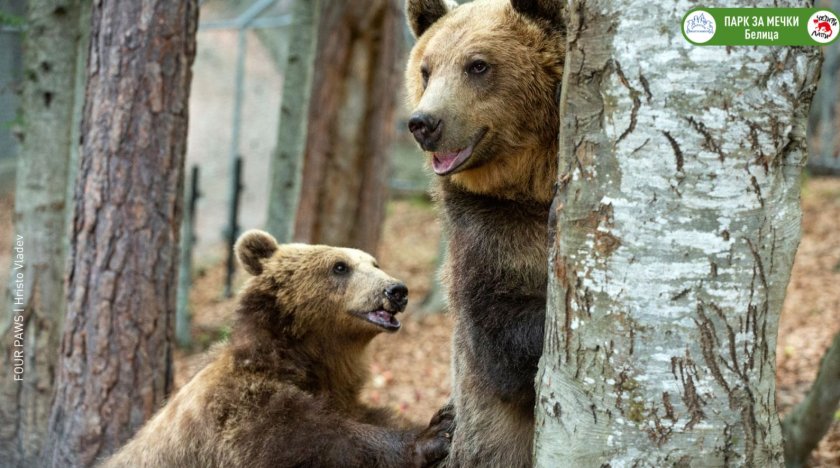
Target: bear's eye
(340,268)
(477,67)
(424,72)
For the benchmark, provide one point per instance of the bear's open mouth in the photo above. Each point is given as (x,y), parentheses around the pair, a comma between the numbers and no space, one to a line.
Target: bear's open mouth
(382,318)
(447,162)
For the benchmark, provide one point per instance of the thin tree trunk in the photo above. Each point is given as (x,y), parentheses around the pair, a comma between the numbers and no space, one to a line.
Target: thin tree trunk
(115,362)
(351,125)
(824,122)
(11,67)
(808,422)
(287,160)
(32,325)
(435,301)
(677,220)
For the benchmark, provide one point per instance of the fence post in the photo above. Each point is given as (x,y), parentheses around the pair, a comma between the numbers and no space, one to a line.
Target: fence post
(182,312)
(233,226)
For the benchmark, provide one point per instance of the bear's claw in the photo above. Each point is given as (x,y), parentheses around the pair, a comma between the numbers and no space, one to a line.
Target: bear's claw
(432,444)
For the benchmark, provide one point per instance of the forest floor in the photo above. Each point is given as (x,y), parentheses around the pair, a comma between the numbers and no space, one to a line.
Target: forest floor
(811,313)
(410,369)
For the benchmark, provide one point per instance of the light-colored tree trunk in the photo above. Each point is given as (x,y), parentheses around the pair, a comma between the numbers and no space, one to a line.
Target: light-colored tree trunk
(824,121)
(11,68)
(32,322)
(351,125)
(115,366)
(677,220)
(436,301)
(287,160)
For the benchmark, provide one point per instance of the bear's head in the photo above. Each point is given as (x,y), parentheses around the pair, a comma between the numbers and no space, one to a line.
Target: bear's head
(334,293)
(483,80)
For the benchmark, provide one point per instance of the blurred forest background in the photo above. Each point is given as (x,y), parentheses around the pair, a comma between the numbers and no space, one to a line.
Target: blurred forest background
(364,185)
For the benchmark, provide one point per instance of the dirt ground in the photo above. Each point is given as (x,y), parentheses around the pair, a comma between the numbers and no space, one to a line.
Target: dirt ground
(410,369)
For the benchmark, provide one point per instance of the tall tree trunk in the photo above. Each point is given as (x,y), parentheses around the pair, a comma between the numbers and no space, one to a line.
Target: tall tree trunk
(11,67)
(824,121)
(286,162)
(677,220)
(115,363)
(351,125)
(32,325)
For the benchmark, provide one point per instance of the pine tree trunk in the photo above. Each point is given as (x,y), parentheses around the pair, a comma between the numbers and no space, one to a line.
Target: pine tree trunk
(287,160)
(677,220)
(115,362)
(351,125)
(32,324)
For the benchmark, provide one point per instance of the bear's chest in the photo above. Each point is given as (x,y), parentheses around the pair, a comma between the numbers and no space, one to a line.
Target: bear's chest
(496,243)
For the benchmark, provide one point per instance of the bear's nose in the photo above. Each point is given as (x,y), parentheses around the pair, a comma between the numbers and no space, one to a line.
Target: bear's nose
(397,293)
(426,129)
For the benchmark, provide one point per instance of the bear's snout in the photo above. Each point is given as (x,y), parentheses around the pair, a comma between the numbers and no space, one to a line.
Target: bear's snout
(397,294)
(426,128)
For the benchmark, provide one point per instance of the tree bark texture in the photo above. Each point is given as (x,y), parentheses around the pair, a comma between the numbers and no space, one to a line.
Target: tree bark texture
(37,313)
(351,124)
(824,122)
(808,422)
(677,220)
(115,362)
(287,160)
(11,68)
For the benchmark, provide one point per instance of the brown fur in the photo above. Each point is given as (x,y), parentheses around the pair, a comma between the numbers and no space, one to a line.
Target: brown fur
(517,158)
(285,391)
(495,205)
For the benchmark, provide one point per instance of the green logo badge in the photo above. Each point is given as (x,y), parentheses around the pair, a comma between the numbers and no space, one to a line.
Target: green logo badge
(760,26)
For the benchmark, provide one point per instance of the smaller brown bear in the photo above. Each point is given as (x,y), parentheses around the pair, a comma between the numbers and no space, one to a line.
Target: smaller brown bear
(285,391)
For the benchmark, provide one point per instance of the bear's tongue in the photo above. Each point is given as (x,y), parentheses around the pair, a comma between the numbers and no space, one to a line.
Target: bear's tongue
(384,319)
(445,162)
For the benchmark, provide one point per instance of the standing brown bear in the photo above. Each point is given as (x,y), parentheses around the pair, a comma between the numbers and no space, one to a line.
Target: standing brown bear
(285,391)
(483,79)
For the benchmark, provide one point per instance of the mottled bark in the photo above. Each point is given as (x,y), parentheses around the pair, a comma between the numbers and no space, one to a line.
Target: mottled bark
(824,121)
(287,160)
(351,124)
(115,363)
(34,314)
(677,220)
(808,422)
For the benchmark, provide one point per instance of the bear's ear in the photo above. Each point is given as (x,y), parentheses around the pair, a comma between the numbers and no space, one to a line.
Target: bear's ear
(252,248)
(549,12)
(423,13)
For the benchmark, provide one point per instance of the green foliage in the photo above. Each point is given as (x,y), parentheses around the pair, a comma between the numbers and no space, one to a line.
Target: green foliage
(8,19)
(224,333)
(204,339)
(12,124)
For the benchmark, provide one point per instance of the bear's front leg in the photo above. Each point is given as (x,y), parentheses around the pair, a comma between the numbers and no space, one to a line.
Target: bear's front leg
(493,430)
(432,444)
(426,445)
